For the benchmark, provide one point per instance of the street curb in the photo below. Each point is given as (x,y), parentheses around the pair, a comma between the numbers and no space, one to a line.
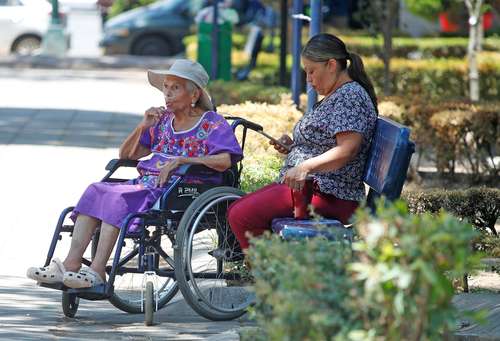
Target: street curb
(85,63)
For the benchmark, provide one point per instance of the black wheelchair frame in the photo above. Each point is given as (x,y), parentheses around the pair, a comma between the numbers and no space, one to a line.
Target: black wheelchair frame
(147,245)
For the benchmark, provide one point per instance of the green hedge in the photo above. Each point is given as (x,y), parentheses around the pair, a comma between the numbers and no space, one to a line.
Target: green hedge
(435,47)
(394,287)
(235,92)
(451,133)
(430,78)
(478,206)
(436,78)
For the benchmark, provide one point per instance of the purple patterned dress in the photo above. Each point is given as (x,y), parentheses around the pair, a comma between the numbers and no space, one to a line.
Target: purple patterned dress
(112,202)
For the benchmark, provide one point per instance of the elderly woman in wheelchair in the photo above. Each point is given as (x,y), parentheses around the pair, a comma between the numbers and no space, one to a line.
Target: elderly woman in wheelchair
(186,131)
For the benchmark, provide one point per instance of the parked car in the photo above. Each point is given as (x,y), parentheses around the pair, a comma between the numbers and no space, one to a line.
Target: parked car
(154,30)
(23,24)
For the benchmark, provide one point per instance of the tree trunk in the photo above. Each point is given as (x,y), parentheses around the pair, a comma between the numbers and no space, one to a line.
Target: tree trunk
(387,23)
(474,8)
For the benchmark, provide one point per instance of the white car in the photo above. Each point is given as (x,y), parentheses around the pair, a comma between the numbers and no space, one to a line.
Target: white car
(23,24)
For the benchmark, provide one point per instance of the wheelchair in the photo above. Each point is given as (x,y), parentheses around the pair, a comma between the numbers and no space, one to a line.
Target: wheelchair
(183,242)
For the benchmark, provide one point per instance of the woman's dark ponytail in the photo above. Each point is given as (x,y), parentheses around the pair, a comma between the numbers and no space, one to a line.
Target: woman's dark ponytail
(325,46)
(356,71)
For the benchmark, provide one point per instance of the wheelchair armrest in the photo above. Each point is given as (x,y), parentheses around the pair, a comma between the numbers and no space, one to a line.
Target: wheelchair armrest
(229,176)
(193,169)
(114,164)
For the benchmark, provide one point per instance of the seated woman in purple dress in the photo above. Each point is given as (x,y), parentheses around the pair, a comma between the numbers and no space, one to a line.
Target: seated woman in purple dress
(186,131)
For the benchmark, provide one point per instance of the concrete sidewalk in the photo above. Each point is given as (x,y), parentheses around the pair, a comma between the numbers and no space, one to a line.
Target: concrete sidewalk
(29,312)
(85,63)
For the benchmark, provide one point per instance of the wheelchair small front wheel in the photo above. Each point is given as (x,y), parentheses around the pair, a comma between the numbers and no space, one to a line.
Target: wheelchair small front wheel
(128,286)
(149,304)
(70,303)
(208,258)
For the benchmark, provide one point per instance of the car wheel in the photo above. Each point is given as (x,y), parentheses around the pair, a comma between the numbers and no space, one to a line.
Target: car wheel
(152,46)
(26,45)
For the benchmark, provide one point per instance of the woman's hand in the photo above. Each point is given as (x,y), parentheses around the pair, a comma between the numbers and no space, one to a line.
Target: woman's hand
(295,177)
(166,171)
(284,139)
(152,116)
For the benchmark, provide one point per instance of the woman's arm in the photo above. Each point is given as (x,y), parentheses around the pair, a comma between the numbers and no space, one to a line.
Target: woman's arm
(348,146)
(219,162)
(131,148)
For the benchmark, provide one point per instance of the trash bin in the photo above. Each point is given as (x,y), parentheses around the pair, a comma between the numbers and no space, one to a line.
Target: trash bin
(223,49)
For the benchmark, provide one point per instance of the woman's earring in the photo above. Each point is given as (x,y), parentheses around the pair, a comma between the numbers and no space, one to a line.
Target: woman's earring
(192,105)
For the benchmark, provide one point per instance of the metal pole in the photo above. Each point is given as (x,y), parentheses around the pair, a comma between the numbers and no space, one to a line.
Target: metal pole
(54,42)
(215,42)
(314,29)
(55,12)
(296,47)
(283,41)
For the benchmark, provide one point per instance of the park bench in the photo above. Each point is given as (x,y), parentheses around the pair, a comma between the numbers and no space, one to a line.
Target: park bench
(385,173)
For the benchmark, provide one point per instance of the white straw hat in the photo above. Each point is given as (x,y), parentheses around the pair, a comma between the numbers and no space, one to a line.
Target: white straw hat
(187,69)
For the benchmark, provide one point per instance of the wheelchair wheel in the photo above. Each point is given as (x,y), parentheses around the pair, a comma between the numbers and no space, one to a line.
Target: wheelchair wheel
(128,287)
(206,255)
(149,304)
(70,303)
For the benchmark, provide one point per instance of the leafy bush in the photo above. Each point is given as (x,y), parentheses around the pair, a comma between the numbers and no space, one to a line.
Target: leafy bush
(451,133)
(395,285)
(260,172)
(478,206)
(262,163)
(467,134)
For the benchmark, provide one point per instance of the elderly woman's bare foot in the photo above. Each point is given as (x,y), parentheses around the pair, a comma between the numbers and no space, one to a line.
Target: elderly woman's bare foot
(72,266)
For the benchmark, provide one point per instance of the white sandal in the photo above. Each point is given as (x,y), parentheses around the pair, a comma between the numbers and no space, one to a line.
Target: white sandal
(85,278)
(53,273)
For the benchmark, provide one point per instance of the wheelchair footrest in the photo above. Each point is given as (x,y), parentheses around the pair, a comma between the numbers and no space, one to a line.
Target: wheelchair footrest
(93,294)
(56,286)
(290,228)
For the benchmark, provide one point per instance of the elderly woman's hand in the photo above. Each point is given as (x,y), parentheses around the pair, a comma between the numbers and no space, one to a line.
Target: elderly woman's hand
(295,177)
(152,116)
(166,171)
(284,139)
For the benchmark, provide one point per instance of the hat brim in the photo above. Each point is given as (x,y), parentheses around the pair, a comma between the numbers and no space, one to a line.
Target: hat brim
(156,78)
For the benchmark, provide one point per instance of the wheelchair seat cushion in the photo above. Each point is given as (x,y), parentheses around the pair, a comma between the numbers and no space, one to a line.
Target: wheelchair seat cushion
(290,228)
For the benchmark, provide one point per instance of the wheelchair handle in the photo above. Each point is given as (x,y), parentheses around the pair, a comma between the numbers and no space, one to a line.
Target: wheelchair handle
(246,123)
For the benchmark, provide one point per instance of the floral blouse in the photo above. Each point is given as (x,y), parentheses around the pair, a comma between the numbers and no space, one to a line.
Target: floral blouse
(349,108)
(209,136)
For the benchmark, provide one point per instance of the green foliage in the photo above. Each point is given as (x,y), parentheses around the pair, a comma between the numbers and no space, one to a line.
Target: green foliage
(426,8)
(436,78)
(405,265)
(120,6)
(234,92)
(452,133)
(395,285)
(303,289)
(258,174)
(478,206)
(436,47)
